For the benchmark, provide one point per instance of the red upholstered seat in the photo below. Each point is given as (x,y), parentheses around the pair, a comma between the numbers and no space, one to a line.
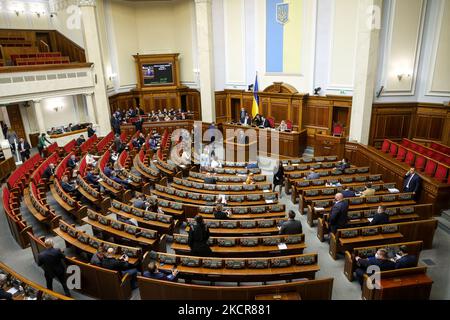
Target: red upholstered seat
(338,129)
(405,143)
(430,168)
(410,156)
(438,157)
(289,124)
(385,146)
(401,154)
(272,122)
(420,163)
(393,150)
(441,173)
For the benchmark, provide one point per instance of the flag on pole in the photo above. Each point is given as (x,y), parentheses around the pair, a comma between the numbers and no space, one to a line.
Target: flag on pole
(255,106)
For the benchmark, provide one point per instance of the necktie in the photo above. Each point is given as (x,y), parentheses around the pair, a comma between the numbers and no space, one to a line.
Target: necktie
(407,185)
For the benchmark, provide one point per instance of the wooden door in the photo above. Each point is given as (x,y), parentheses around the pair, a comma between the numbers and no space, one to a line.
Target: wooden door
(15,119)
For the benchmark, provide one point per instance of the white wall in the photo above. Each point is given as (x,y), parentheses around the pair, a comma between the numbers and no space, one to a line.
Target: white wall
(24,14)
(424,47)
(67,19)
(240,45)
(150,28)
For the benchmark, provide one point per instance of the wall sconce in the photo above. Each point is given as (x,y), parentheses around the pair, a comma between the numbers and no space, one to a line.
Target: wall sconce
(57,108)
(17,13)
(38,14)
(401,76)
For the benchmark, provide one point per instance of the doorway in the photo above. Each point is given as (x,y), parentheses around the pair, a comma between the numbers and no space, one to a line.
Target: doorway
(15,119)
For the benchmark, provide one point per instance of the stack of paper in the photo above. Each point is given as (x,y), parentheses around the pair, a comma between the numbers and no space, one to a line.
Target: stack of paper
(269,201)
(282,246)
(393,190)
(319,209)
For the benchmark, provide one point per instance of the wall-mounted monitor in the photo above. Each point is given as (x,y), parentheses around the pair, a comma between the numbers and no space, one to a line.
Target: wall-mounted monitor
(157,71)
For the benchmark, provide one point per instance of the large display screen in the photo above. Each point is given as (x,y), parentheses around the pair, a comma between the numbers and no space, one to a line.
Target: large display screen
(157,74)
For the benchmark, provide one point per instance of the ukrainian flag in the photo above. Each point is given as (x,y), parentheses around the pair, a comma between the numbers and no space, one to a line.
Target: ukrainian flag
(255,106)
(284,38)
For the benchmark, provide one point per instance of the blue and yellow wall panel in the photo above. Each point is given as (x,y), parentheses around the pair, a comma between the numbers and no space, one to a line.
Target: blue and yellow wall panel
(283,40)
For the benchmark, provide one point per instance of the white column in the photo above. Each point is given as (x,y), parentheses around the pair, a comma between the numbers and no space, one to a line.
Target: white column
(94,55)
(90,108)
(365,69)
(39,116)
(205,58)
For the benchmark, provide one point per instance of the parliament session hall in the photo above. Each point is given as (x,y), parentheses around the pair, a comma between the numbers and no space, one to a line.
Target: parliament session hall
(224,150)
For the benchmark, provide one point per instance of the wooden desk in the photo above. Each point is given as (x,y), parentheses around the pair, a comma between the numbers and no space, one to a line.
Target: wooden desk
(419,287)
(140,241)
(278,296)
(326,145)
(291,144)
(41,291)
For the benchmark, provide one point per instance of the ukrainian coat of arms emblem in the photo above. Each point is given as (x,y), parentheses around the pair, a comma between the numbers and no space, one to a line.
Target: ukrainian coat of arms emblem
(282,13)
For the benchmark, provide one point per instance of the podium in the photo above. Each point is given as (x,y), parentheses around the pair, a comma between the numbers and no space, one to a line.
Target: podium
(326,145)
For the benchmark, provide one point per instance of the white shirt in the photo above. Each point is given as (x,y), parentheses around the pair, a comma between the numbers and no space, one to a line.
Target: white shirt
(215,164)
(90,160)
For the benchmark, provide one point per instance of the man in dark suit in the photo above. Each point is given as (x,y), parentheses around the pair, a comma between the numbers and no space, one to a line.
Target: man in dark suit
(220,214)
(242,115)
(246,120)
(49,171)
(344,164)
(209,179)
(312,175)
(71,189)
(338,216)
(411,182)
(80,140)
(24,149)
(405,260)
(90,131)
(121,265)
(139,202)
(115,123)
(154,273)
(72,162)
(380,259)
(3,294)
(51,260)
(291,226)
(348,193)
(381,217)
(264,122)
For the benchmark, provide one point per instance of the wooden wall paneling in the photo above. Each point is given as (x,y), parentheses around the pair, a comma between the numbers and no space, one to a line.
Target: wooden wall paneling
(431,122)
(295,113)
(392,121)
(279,109)
(221,108)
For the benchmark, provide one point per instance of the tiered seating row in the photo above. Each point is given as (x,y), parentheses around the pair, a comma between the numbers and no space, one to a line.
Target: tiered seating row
(429,152)
(431,167)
